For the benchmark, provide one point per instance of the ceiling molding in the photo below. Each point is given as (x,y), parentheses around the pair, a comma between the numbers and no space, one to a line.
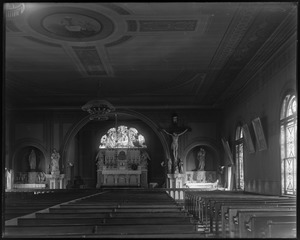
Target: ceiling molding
(239,25)
(262,57)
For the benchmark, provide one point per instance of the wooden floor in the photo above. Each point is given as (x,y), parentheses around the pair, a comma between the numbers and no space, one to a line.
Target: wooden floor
(111,213)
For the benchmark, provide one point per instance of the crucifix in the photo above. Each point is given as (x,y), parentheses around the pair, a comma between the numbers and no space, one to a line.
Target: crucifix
(175,132)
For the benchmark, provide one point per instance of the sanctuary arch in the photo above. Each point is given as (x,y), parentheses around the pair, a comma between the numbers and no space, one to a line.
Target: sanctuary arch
(65,154)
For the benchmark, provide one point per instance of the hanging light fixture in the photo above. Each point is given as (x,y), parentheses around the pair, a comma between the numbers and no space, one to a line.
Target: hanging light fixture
(14,9)
(98,109)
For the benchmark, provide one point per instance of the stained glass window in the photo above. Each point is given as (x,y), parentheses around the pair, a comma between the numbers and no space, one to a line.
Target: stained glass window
(239,157)
(288,149)
(123,137)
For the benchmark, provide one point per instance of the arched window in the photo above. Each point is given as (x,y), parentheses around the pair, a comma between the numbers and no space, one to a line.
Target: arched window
(123,137)
(288,142)
(239,157)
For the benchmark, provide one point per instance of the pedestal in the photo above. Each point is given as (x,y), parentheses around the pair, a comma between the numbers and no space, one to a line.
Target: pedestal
(176,181)
(56,183)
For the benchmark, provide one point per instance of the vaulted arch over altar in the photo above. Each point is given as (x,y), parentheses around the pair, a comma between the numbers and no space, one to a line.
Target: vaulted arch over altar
(122,159)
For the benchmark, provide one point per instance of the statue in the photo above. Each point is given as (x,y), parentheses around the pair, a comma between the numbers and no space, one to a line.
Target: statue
(41,177)
(144,157)
(201,159)
(100,159)
(32,160)
(174,145)
(180,166)
(54,161)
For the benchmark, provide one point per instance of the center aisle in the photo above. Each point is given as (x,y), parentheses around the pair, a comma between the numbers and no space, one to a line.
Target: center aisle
(116,213)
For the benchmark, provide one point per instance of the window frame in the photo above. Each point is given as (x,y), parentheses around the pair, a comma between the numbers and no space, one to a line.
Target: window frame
(240,166)
(284,121)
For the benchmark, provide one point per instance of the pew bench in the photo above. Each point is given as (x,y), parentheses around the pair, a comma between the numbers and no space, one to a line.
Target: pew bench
(281,229)
(52,230)
(111,215)
(223,214)
(111,210)
(242,217)
(257,226)
(102,221)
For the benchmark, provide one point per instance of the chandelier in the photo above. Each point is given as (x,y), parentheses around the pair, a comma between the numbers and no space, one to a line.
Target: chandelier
(14,9)
(98,109)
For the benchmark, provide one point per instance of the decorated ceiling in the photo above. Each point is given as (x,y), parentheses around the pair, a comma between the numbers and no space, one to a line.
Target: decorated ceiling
(139,55)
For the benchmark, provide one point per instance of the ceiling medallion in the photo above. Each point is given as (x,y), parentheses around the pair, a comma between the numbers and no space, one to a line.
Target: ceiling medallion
(71,24)
(98,109)
(14,9)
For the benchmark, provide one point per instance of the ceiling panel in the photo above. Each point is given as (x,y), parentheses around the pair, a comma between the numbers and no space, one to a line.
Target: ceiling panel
(138,54)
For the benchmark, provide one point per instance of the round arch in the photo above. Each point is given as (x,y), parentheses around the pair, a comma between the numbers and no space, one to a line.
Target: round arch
(210,143)
(81,123)
(28,143)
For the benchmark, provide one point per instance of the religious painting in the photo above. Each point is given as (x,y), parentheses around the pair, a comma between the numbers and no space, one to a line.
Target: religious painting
(248,139)
(227,150)
(259,133)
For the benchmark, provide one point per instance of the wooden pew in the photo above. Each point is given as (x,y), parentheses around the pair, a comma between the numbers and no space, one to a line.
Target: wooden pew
(281,229)
(110,215)
(97,229)
(186,235)
(17,205)
(214,205)
(229,211)
(116,214)
(122,206)
(109,210)
(221,210)
(204,205)
(142,229)
(243,216)
(257,225)
(30,231)
(101,221)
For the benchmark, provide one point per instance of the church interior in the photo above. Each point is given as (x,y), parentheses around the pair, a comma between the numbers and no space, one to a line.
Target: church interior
(149,120)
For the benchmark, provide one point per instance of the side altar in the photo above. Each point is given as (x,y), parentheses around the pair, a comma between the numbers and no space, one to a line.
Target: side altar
(122,167)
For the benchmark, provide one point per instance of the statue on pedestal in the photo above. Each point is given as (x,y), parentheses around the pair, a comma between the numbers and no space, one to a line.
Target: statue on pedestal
(201,159)
(55,162)
(180,166)
(32,160)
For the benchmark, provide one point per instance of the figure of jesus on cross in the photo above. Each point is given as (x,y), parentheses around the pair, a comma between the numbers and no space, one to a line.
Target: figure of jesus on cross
(174,145)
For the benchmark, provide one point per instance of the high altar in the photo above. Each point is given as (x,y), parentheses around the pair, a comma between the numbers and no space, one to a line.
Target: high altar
(122,167)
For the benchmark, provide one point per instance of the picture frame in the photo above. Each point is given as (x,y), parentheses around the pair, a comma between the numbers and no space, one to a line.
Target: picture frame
(259,134)
(227,150)
(248,139)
